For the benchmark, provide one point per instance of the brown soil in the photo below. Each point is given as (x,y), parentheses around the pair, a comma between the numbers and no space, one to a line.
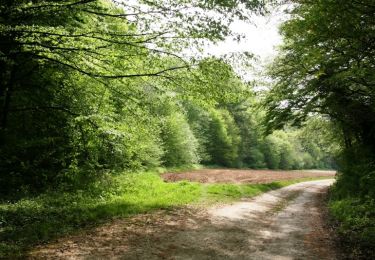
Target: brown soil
(243,176)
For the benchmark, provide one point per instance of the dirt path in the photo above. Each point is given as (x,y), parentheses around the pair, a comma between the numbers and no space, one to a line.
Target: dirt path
(282,224)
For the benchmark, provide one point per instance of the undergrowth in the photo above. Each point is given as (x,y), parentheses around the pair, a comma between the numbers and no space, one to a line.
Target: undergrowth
(35,220)
(352,203)
(354,218)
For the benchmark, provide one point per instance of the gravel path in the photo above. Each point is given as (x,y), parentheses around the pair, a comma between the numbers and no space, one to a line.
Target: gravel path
(278,224)
(282,224)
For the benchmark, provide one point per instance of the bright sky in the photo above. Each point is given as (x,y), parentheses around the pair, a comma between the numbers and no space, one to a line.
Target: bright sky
(262,36)
(261,39)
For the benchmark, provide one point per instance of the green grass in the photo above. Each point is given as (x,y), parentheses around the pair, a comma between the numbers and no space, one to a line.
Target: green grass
(36,220)
(230,192)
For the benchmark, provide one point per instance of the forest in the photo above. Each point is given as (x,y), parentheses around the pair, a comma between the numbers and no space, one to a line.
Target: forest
(94,91)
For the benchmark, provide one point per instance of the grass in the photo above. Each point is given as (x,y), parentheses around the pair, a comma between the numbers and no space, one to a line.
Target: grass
(230,192)
(32,221)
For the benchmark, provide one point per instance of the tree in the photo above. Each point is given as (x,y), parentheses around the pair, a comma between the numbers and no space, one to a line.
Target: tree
(327,66)
(76,94)
(179,142)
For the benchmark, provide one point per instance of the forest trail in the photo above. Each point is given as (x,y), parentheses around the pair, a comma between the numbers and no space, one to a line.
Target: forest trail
(281,224)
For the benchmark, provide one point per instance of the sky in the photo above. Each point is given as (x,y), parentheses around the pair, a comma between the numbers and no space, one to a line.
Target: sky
(261,36)
(261,39)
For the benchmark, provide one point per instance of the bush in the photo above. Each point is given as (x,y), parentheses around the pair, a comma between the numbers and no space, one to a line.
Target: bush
(356,224)
(352,202)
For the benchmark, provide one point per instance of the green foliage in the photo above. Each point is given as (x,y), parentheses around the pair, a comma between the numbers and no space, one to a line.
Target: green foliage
(94,87)
(326,39)
(82,81)
(352,202)
(256,158)
(223,139)
(87,90)
(356,224)
(326,66)
(287,158)
(179,142)
(34,220)
(294,149)
(271,151)
(249,151)
(319,35)
(199,120)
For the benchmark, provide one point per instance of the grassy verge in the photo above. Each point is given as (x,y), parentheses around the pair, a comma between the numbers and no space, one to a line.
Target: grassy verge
(184,168)
(36,220)
(229,192)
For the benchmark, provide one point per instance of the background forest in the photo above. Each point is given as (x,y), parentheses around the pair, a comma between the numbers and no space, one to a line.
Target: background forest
(92,89)
(87,93)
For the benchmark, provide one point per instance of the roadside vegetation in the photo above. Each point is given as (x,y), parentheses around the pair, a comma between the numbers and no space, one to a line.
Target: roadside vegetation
(35,220)
(92,91)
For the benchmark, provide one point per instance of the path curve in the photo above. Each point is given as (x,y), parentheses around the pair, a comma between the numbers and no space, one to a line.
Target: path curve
(281,224)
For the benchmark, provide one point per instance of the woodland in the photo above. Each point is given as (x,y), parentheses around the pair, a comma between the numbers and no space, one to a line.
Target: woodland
(96,94)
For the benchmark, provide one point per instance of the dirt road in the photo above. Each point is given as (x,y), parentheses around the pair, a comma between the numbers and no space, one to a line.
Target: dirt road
(282,224)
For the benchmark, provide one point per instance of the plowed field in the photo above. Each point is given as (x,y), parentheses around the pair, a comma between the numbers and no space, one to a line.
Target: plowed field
(243,176)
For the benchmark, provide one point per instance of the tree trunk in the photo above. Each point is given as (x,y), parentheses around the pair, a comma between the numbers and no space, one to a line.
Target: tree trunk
(7,98)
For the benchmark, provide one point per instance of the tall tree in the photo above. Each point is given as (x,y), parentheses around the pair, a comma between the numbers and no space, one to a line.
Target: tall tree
(327,66)
(75,88)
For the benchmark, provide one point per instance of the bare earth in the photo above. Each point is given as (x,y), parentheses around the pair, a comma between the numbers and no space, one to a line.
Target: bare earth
(281,224)
(243,176)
